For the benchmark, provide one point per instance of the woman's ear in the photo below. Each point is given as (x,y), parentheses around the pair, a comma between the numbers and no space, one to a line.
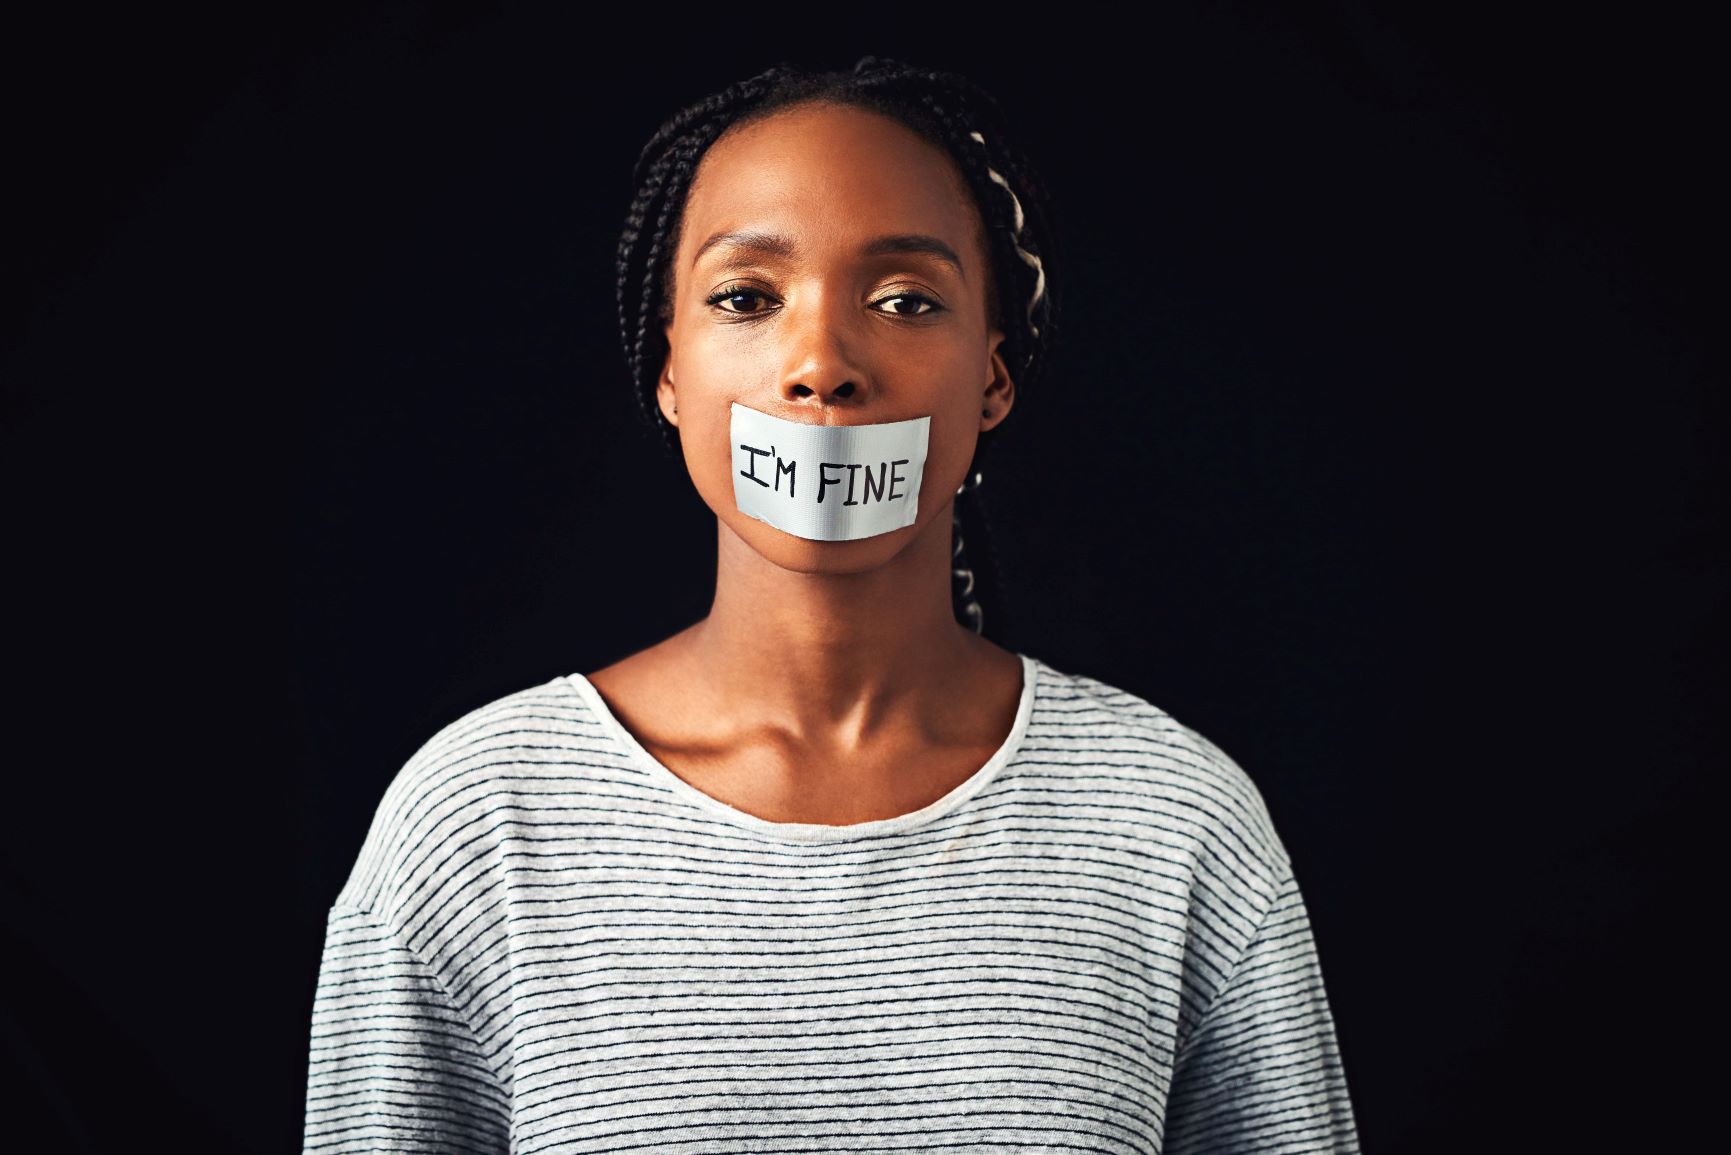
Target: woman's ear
(1000,392)
(665,393)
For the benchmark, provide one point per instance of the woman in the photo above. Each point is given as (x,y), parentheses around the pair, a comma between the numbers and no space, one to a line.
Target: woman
(827,869)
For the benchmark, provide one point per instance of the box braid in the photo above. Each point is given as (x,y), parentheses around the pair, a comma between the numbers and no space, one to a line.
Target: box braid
(947,110)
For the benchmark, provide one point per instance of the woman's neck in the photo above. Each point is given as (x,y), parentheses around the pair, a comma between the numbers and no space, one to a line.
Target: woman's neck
(831,655)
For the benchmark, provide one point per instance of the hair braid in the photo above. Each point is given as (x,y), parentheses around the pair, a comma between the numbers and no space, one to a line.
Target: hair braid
(948,110)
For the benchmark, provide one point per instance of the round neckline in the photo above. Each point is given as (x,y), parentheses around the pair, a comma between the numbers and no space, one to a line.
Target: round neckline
(818,831)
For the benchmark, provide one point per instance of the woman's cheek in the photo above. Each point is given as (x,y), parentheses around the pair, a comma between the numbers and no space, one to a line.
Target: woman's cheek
(704,441)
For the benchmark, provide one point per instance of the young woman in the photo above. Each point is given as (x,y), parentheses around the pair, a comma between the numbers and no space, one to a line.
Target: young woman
(828,869)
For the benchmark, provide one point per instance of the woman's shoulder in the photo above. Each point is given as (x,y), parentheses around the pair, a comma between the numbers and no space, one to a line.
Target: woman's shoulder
(1188,782)
(455,786)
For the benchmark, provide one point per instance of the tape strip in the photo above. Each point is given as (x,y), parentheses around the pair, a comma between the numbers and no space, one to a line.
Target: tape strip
(828,482)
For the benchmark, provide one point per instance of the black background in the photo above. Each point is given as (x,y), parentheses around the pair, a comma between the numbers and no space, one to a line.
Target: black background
(1382,449)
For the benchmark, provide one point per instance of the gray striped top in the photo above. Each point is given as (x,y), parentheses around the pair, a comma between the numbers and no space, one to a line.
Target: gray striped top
(550,942)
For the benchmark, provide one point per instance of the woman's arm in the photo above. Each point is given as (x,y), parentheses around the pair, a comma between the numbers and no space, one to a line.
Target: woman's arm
(1261,1071)
(394,1065)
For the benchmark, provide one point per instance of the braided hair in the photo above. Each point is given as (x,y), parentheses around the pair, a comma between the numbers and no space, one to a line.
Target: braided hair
(949,111)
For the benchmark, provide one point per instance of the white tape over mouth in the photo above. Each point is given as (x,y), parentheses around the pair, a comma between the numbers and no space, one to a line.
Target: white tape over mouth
(828,482)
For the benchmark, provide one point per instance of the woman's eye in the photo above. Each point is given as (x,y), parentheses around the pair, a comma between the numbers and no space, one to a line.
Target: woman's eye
(747,301)
(908,304)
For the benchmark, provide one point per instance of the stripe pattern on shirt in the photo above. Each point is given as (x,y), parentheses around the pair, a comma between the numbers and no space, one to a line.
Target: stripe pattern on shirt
(544,947)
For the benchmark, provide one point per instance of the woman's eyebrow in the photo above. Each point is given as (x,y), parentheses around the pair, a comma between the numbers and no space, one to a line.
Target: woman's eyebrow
(773,245)
(916,243)
(746,239)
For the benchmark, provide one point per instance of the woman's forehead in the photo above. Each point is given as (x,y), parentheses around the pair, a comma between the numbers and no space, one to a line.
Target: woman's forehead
(823,175)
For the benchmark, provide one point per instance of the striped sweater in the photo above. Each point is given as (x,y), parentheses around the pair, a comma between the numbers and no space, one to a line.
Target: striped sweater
(551,943)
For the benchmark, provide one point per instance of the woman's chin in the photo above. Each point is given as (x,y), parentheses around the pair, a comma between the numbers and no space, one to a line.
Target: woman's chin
(801,555)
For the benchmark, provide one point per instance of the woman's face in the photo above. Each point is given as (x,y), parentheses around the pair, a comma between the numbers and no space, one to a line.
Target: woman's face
(830,270)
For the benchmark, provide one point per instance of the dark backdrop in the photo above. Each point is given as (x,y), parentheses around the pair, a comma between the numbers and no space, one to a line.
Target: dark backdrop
(1383,450)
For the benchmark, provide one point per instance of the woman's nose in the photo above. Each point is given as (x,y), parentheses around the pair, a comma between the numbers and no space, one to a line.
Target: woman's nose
(823,364)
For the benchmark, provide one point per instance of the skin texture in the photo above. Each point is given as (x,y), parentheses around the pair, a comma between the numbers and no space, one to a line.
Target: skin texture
(830,681)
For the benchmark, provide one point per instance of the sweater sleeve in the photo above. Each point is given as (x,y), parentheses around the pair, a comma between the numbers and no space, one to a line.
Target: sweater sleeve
(394,1064)
(1261,1072)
